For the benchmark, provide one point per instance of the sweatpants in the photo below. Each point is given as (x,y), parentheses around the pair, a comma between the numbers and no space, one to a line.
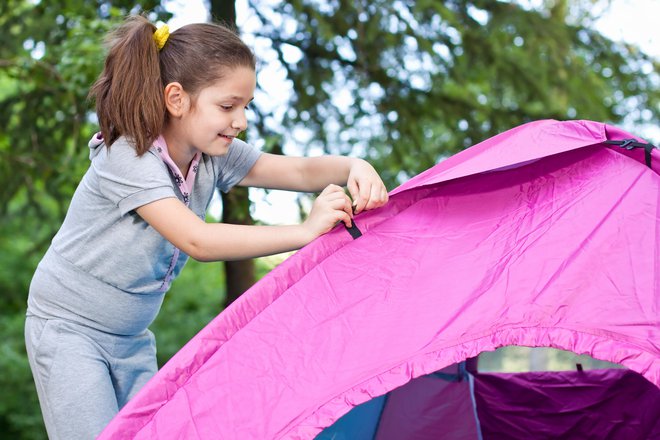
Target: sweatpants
(84,376)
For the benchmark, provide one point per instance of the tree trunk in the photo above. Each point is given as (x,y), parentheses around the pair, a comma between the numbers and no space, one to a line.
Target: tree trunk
(239,275)
(223,11)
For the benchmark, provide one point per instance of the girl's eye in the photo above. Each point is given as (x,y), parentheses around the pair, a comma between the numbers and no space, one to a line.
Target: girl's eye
(226,107)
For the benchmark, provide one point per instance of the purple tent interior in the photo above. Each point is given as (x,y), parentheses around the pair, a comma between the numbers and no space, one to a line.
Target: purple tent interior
(546,235)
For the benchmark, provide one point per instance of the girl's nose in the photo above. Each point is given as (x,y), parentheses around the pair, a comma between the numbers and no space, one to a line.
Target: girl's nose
(240,121)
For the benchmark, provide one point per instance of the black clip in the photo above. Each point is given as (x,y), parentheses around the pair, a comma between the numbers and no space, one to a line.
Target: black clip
(353,230)
(627,144)
(630,144)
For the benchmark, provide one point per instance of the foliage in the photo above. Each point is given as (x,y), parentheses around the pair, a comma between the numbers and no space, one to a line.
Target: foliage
(190,304)
(50,53)
(19,408)
(407,83)
(49,56)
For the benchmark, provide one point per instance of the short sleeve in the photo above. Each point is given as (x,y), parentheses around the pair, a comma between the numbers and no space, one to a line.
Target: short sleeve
(236,164)
(130,181)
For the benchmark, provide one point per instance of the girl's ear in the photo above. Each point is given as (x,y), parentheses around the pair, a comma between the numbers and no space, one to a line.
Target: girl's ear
(176,99)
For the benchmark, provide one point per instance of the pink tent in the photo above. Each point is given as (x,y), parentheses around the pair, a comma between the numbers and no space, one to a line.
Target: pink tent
(543,236)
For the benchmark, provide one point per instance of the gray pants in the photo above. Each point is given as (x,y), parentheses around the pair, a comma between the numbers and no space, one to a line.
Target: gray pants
(84,376)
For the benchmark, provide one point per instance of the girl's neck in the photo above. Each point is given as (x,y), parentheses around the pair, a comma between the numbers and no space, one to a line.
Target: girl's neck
(182,156)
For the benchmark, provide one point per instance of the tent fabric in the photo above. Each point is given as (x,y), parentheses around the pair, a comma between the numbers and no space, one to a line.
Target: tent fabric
(594,404)
(430,408)
(590,404)
(541,236)
(440,405)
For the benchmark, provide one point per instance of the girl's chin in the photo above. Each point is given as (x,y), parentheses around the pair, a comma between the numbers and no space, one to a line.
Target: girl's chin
(218,148)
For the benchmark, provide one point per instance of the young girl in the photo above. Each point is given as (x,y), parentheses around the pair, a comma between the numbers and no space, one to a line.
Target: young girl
(170,108)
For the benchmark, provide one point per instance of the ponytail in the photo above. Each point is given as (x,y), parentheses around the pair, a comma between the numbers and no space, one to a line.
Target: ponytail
(129,92)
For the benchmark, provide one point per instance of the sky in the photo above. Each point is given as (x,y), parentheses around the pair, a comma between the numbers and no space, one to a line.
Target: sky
(632,21)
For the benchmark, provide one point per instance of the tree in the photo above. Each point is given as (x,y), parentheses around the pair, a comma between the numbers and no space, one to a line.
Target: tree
(406,83)
(240,274)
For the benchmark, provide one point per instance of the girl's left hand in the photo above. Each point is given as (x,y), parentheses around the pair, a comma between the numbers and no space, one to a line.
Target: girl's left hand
(366,187)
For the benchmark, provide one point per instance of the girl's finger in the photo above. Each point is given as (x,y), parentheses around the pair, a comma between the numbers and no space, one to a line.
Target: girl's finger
(332,188)
(384,196)
(363,198)
(353,189)
(344,217)
(348,208)
(341,203)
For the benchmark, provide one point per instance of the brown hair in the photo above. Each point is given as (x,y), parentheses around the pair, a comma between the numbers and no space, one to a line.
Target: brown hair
(129,91)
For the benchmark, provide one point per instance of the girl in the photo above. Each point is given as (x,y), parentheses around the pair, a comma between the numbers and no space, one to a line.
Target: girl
(170,108)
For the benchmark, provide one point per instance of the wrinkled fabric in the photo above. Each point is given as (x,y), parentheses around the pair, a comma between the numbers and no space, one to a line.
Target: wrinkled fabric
(541,236)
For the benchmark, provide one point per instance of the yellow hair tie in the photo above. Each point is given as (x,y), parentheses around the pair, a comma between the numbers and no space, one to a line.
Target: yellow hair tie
(161,35)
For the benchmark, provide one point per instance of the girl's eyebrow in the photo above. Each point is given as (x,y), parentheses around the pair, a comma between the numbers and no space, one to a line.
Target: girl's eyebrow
(239,98)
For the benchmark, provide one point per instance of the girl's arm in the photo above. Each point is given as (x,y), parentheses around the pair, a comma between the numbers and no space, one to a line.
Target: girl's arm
(312,174)
(220,241)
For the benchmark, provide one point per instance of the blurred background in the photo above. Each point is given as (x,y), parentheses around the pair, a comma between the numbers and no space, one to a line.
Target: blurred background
(401,83)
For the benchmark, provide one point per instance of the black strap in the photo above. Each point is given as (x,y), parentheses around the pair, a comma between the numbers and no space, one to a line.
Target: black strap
(353,230)
(629,144)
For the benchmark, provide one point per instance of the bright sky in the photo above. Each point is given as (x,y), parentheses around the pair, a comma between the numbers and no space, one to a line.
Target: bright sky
(633,21)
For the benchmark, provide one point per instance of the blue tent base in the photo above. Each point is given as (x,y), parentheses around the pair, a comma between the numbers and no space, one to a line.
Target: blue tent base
(438,405)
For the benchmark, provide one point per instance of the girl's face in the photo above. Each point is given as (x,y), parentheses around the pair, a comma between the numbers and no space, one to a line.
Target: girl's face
(218,114)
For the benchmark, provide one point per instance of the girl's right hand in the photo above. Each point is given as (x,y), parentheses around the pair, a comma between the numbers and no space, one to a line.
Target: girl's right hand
(330,207)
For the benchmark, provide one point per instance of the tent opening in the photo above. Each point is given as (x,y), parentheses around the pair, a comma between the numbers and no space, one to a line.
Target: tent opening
(511,393)
(516,359)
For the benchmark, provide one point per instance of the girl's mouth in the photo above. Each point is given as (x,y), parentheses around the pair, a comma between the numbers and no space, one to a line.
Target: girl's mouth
(231,138)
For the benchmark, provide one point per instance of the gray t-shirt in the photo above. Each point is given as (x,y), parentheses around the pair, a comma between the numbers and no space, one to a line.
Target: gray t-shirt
(106,267)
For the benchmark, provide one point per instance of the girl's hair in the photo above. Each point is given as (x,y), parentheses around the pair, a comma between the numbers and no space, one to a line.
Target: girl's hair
(129,92)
